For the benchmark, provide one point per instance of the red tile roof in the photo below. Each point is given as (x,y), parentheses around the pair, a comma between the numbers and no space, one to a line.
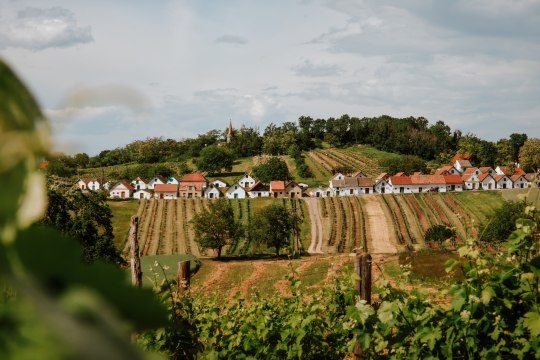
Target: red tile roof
(460,156)
(452,179)
(485,169)
(519,171)
(401,180)
(166,188)
(277,185)
(125,183)
(43,164)
(516,177)
(482,176)
(193,177)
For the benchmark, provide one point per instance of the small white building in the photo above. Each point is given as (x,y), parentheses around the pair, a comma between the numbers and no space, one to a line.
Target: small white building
(139,183)
(236,191)
(259,190)
(89,184)
(503,170)
(166,191)
(156,180)
(487,182)
(461,165)
(447,170)
(519,181)
(246,181)
(121,190)
(219,183)
(470,179)
(212,192)
(142,194)
(503,181)
(382,185)
(317,192)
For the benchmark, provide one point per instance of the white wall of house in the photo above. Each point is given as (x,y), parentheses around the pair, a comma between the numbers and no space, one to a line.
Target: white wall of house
(166,195)
(153,182)
(82,185)
(521,183)
(139,185)
(347,191)
(211,193)
(142,194)
(504,183)
(255,194)
(365,190)
(488,184)
(317,192)
(120,191)
(93,185)
(219,183)
(383,187)
(247,181)
(236,191)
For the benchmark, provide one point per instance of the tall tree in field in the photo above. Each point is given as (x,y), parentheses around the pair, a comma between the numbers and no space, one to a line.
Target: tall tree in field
(216,227)
(516,142)
(272,169)
(273,225)
(213,158)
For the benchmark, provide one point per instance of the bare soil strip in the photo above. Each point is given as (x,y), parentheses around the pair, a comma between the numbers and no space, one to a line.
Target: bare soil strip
(380,229)
(315,246)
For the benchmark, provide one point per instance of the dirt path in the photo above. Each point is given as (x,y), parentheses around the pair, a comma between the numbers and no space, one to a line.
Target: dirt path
(378,239)
(315,246)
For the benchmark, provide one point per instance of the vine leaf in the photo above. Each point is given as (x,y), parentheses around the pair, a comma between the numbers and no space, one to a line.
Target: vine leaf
(532,322)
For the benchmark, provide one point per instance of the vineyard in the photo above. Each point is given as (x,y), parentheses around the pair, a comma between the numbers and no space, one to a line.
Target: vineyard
(387,223)
(164,225)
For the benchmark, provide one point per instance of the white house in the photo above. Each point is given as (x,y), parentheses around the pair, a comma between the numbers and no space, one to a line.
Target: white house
(142,194)
(447,170)
(382,185)
(502,181)
(338,176)
(156,180)
(212,192)
(259,190)
(344,186)
(470,179)
(520,181)
(461,165)
(487,169)
(219,183)
(121,190)
(317,192)
(88,184)
(486,181)
(166,191)
(139,183)
(246,181)
(236,191)
(503,170)
(173,180)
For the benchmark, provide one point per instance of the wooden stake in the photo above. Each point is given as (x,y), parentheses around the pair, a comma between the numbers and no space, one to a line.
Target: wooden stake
(182,276)
(365,277)
(136,273)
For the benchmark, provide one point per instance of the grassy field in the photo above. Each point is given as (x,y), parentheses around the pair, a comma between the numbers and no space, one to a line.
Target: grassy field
(532,195)
(122,213)
(166,268)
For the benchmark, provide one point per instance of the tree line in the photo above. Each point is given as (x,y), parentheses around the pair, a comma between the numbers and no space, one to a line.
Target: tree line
(412,136)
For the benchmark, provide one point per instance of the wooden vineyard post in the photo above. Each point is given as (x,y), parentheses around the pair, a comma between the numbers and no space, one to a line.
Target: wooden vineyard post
(182,277)
(362,267)
(136,273)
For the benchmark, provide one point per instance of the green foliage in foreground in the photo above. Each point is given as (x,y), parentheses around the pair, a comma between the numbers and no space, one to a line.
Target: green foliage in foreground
(492,313)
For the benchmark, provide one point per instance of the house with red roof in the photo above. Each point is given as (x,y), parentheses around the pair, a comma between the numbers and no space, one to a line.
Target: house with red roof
(502,181)
(192,185)
(504,170)
(487,169)
(470,179)
(158,179)
(213,191)
(259,190)
(447,170)
(486,181)
(121,190)
(277,188)
(382,184)
(519,181)
(460,156)
(461,165)
(88,184)
(166,191)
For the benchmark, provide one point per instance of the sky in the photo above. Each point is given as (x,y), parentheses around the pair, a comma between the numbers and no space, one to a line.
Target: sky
(110,72)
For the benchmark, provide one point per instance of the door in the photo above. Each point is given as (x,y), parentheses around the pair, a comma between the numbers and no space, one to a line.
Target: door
(292,194)
(141,196)
(123,194)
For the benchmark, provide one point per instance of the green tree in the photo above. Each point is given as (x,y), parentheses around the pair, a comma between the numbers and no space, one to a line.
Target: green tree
(501,221)
(516,142)
(407,164)
(216,227)
(439,233)
(85,217)
(272,169)
(273,226)
(529,155)
(214,158)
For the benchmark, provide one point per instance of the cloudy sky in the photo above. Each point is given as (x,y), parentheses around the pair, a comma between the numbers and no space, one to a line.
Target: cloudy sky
(109,72)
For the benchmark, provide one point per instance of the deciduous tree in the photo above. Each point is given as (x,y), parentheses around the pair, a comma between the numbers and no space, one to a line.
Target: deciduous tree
(272,169)
(273,226)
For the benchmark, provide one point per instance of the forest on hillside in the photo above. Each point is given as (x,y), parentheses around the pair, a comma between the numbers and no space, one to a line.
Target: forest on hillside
(407,136)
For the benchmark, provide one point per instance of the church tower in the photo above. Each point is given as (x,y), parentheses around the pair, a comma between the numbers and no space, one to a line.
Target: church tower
(229,132)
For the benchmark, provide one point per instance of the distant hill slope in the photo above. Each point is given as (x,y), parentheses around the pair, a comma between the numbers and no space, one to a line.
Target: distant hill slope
(385,223)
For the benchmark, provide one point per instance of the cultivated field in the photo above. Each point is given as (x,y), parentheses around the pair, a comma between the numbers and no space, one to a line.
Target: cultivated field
(383,224)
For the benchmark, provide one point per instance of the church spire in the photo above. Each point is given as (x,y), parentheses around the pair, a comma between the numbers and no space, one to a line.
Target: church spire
(229,131)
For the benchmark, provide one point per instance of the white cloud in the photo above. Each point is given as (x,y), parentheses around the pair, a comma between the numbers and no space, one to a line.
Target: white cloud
(231,39)
(307,68)
(37,29)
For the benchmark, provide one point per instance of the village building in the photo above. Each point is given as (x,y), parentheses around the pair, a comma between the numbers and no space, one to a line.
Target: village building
(259,190)
(502,181)
(503,170)
(219,183)
(195,179)
(142,194)
(187,191)
(344,186)
(447,170)
(246,181)
(236,191)
(139,183)
(173,180)
(486,181)
(293,190)
(88,184)
(121,190)
(461,165)
(359,174)
(156,180)
(317,192)
(487,169)
(382,184)
(166,191)
(470,179)
(365,186)
(277,188)
(519,181)
(212,192)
